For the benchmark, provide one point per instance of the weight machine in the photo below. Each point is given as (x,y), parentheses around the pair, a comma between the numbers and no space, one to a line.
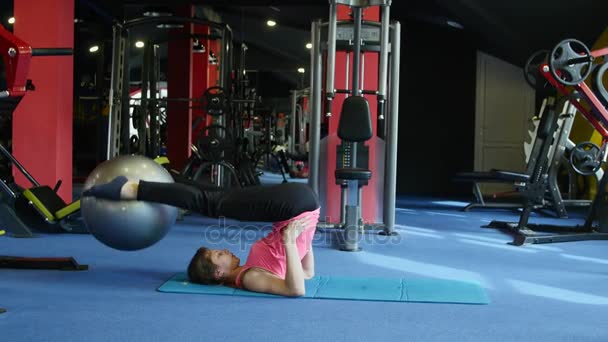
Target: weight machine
(553,129)
(356,164)
(569,64)
(15,60)
(39,205)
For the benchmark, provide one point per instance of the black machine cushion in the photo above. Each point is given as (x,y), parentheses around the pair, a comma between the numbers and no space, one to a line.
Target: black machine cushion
(355,120)
(493,176)
(353,174)
(49,198)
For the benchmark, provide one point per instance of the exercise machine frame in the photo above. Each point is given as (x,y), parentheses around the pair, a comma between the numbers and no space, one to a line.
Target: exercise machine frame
(590,106)
(16,56)
(387,96)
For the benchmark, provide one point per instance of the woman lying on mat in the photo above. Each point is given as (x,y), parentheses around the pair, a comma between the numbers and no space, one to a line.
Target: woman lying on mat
(277,264)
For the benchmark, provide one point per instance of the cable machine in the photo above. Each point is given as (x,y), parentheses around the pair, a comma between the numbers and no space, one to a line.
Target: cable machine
(353,169)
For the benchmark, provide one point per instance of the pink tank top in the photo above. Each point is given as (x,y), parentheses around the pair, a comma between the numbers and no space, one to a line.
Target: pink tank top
(268,253)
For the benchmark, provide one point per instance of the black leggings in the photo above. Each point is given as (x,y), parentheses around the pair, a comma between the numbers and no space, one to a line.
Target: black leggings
(257,203)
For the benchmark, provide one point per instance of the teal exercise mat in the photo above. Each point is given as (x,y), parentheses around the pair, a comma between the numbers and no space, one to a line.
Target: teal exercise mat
(351,288)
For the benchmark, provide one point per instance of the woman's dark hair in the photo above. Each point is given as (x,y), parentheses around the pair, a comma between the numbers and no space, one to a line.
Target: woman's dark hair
(201,270)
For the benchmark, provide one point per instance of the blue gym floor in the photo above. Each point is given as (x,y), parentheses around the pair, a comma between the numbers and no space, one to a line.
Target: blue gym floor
(555,292)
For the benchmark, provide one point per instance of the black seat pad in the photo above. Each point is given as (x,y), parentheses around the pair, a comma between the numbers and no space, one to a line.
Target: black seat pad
(353,174)
(497,176)
(355,120)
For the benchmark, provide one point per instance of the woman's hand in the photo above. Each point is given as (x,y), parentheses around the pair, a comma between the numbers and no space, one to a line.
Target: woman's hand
(294,229)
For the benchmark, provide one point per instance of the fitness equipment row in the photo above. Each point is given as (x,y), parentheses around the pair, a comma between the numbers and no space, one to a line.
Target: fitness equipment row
(355,128)
(241,133)
(268,144)
(218,149)
(299,121)
(119,139)
(566,69)
(215,151)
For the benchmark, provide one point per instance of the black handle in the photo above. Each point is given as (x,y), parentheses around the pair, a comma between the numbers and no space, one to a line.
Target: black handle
(57,186)
(52,52)
(328,103)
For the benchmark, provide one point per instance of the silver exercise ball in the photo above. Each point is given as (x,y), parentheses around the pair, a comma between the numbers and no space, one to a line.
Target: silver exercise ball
(127,225)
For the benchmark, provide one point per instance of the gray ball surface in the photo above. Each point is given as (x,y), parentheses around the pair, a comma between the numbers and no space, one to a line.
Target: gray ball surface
(127,225)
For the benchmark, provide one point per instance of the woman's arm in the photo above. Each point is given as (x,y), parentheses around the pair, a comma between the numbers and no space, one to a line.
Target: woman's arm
(308,264)
(293,284)
(294,275)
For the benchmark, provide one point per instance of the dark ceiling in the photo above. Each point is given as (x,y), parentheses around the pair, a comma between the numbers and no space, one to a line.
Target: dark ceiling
(511,30)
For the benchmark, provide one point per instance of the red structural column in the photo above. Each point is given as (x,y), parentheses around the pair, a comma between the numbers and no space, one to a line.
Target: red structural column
(179,85)
(372,198)
(42,123)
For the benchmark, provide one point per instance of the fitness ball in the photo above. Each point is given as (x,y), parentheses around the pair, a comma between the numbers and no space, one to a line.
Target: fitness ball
(127,225)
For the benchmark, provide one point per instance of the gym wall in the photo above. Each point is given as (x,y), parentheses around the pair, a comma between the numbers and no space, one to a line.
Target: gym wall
(437,110)
(505,105)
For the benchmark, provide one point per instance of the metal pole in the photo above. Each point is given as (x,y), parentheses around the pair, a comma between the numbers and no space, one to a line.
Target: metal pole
(315,94)
(356,51)
(18,165)
(356,88)
(362,77)
(331,54)
(390,166)
(347,71)
(153,104)
(301,131)
(125,117)
(385,17)
(116,90)
(292,121)
(144,105)
(223,59)
(52,52)
(225,63)
(100,88)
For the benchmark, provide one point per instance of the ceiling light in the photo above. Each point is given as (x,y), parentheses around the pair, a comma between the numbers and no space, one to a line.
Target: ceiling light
(271,23)
(11,20)
(94,48)
(212,58)
(139,44)
(301,70)
(157,12)
(309,46)
(455,24)
(197,46)
(169,26)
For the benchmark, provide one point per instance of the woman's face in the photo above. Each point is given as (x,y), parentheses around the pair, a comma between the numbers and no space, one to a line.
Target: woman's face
(224,260)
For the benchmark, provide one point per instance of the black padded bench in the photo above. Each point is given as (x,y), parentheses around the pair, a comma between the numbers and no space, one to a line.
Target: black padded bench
(492,176)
